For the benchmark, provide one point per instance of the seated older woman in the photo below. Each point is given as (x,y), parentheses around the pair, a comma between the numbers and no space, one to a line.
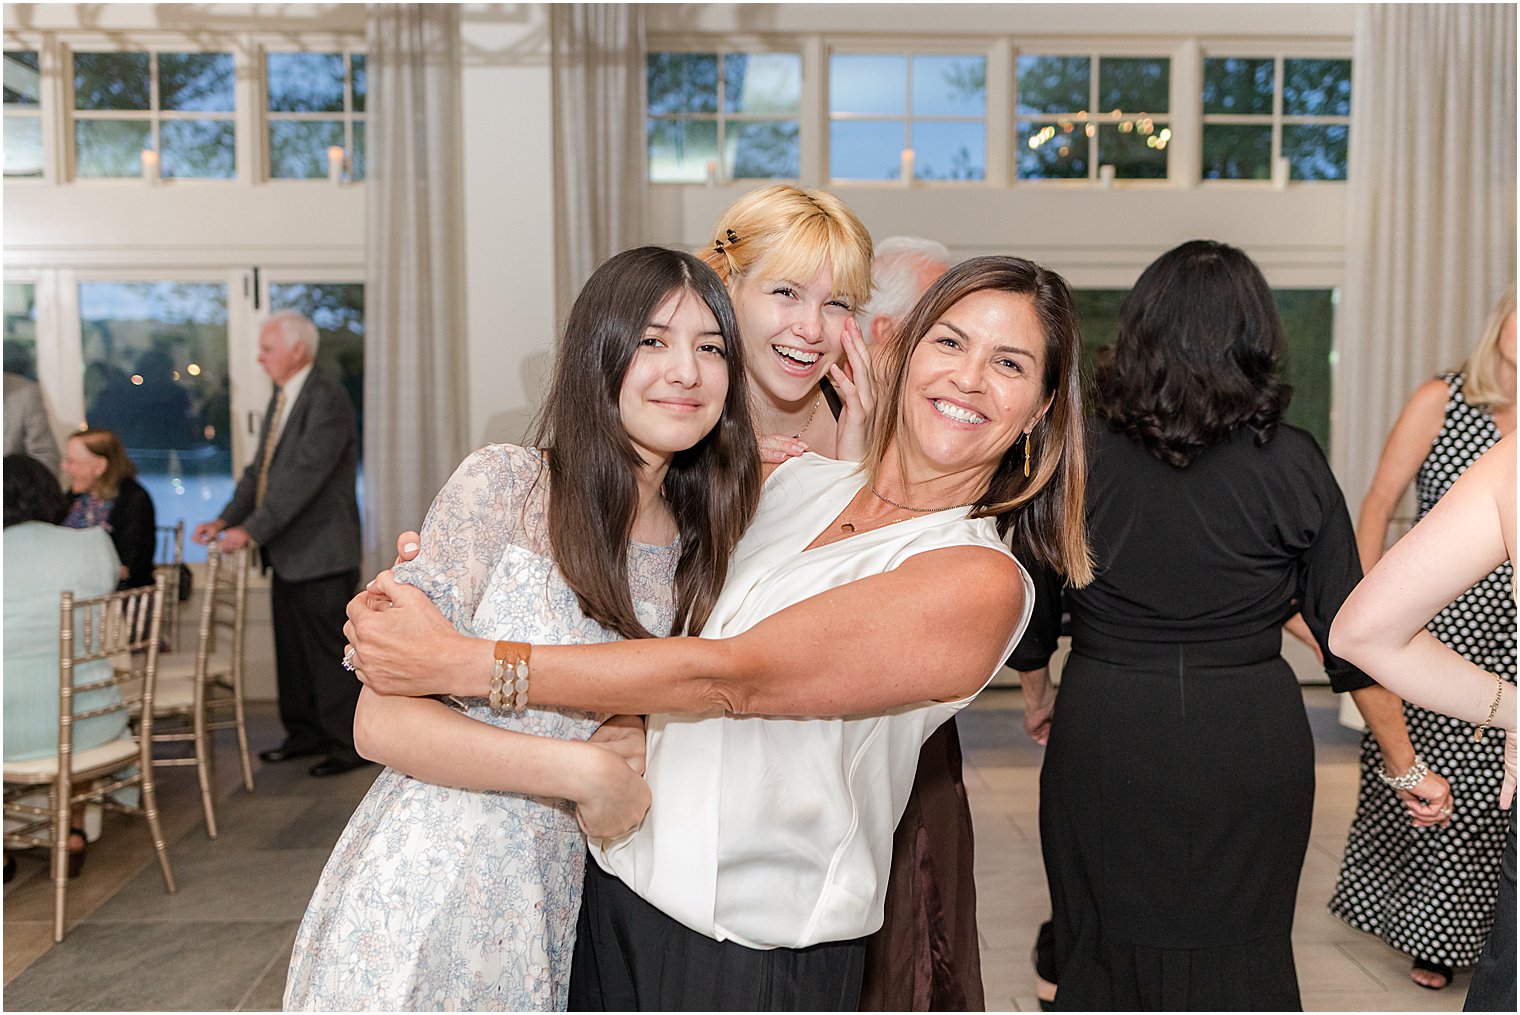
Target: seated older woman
(104,492)
(43,560)
(762,865)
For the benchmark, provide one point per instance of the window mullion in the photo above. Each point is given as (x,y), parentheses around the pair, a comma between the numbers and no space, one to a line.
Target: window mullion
(1184,150)
(1000,128)
(812,128)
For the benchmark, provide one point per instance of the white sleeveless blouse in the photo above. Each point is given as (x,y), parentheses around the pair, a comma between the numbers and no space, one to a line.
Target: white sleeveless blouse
(777,832)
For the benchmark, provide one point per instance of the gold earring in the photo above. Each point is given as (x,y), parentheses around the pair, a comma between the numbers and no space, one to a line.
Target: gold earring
(1026,454)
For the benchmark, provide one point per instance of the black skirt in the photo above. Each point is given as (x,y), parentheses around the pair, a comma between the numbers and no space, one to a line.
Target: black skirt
(629,956)
(1175,805)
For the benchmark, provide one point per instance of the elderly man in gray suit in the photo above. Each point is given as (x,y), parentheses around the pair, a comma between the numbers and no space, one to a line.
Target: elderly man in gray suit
(296,500)
(28,431)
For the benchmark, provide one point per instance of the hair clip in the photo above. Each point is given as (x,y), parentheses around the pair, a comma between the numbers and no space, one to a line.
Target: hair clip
(733,237)
(718,246)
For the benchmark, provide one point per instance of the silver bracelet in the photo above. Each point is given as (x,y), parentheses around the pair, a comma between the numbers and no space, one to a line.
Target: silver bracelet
(1410,779)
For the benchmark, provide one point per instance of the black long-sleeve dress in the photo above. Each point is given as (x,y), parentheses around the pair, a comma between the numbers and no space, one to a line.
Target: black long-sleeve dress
(1178,785)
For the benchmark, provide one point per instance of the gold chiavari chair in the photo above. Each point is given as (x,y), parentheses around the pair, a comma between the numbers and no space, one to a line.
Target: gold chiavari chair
(123,629)
(192,691)
(167,560)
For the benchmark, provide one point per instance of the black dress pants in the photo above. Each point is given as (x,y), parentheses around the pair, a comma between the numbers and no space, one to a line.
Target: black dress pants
(317,695)
(629,956)
(1493,985)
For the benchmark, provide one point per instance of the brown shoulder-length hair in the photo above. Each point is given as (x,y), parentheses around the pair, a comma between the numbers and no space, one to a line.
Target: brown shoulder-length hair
(1197,355)
(107,445)
(1045,512)
(712,488)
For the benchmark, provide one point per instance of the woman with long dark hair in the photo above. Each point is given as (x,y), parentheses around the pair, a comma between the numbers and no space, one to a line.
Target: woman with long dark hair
(866,605)
(457,882)
(1178,781)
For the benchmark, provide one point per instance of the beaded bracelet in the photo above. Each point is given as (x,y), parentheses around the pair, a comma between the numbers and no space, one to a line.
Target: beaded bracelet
(509,676)
(1410,779)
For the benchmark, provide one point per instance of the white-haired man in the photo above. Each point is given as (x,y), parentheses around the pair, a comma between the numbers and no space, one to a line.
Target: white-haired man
(296,500)
(904,266)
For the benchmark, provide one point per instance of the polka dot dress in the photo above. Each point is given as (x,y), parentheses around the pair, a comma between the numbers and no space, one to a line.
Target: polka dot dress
(1430,892)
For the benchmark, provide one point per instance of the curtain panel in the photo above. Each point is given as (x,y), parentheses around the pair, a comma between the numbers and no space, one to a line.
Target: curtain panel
(414,377)
(597,60)
(1431,223)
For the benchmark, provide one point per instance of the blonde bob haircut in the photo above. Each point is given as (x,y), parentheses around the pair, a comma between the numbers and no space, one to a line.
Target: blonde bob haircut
(1043,514)
(790,232)
(1482,374)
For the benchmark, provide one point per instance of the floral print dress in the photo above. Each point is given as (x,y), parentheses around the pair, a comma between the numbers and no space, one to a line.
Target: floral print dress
(442,899)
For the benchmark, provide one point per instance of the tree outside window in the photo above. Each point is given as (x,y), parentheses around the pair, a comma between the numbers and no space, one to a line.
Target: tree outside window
(1256,109)
(315,102)
(180,105)
(1070,121)
(737,113)
(23,114)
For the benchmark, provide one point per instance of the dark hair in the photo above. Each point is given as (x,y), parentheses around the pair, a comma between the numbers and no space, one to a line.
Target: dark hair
(32,493)
(1197,354)
(712,488)
(105,444)
(1045,511)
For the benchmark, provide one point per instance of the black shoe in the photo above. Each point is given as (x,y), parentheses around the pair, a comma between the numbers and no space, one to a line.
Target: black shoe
(287,752)
(335,765)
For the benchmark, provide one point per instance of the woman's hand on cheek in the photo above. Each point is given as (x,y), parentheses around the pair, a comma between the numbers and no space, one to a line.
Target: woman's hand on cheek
(400,642)
(853,382)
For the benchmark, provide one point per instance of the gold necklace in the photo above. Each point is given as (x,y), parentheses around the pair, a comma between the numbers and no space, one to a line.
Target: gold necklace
(848,527)
(917,511)
(816,402)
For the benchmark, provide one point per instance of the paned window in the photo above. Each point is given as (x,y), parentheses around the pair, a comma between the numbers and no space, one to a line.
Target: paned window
(23,115)
(893,114)
(1257,109)
(1070,121)
(315,106)
(21,329)
(179,105)
(155,371)
(729,114)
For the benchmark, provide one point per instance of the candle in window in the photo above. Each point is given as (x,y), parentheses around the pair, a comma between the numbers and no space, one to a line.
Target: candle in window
(712,172)
(149,166)
(1280,172)
(335,165)
(1106,175)
(906,172)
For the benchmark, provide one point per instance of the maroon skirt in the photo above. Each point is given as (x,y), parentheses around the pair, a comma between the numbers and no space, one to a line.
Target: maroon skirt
(926,957)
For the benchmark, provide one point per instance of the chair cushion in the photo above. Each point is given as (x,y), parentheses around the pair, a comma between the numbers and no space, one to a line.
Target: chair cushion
(176,665)
(174,692)
(113,754)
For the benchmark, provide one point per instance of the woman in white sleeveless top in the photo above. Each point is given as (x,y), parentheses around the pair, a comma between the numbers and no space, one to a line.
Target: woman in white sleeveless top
(864,606)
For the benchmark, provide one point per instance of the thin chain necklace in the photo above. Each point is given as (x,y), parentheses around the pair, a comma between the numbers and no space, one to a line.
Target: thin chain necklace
(918,511)
(848,527)
(816,402)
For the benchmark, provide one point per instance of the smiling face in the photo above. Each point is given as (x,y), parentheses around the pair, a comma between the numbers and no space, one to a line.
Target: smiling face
(81,466)
(975,385)
(792,331)
(677,381)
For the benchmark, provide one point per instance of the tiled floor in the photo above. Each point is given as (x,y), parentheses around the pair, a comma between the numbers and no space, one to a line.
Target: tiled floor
(223,941)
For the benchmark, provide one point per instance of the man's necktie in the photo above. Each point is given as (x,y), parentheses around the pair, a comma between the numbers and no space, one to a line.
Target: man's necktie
(271,438)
